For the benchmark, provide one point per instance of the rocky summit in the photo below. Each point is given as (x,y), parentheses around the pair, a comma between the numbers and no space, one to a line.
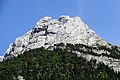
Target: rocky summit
(48,32)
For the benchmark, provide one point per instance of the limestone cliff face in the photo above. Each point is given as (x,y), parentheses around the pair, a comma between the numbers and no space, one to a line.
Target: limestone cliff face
(48,32)
(1,58)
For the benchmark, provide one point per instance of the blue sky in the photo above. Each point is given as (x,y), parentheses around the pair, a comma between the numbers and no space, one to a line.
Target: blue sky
(19,16)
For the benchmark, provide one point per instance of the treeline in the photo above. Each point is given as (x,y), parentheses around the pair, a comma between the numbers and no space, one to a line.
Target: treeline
(114,50)
(41,64)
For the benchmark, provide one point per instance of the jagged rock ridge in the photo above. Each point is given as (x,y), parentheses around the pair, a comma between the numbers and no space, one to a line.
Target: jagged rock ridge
(48,32)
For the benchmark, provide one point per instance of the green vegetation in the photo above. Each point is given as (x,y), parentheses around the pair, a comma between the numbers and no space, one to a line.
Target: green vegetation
(114,52)
(41,64)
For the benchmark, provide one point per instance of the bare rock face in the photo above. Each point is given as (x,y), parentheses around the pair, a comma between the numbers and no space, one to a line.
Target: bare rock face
(1,58)
(48,32)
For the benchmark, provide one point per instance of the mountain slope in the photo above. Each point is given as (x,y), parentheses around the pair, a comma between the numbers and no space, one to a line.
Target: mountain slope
(59,64)
(71,31)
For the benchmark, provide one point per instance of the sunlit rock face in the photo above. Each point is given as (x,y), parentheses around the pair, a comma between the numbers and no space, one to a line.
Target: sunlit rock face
(1,58)
(48,32)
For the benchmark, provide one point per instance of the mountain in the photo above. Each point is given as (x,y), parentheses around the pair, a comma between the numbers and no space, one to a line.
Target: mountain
(48,32)
(66,31)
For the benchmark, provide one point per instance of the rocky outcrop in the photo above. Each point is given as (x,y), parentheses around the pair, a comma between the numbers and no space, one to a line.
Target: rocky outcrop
(1,58)
(48,32)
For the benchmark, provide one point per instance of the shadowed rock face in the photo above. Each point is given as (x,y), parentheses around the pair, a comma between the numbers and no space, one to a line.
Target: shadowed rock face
(48,32)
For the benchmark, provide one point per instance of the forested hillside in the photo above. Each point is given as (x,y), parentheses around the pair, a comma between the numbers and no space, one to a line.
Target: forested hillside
(42,64)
